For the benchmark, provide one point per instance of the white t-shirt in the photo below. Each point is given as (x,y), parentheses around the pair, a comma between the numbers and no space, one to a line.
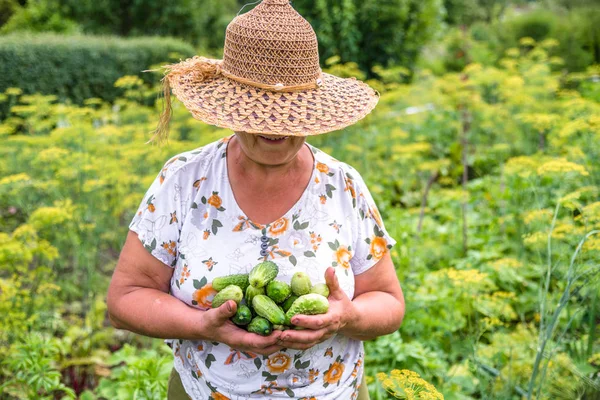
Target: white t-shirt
(190,221)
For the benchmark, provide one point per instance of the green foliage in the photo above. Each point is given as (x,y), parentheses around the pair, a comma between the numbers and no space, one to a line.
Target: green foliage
(39,16)
(372,32)
(496,313)
(88,66)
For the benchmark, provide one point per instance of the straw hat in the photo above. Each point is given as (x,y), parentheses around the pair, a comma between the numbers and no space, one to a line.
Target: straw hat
(269,80)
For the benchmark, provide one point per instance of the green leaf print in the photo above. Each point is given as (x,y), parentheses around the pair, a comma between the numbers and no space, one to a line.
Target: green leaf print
(293,260)
(269,377)
(329,189)
(257,362)
(199,284)
(309,254)
(209,359)
(289,392)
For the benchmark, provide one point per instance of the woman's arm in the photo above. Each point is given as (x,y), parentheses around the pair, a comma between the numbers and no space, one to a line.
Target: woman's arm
(138,300)
(377,309)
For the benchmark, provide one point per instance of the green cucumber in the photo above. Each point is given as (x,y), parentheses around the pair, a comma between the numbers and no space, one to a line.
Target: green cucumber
(242,316)
(260,325)
(252,291)
(265,307)
(301,284)
(231,292)
(278,291)
(288,303)
(263,273)
(320,288)
(222,282)
(308,304)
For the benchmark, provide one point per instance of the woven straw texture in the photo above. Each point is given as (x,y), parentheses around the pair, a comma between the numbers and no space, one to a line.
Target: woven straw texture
(269,80)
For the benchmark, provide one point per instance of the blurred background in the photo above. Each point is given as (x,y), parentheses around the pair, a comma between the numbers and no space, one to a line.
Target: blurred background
(483,156)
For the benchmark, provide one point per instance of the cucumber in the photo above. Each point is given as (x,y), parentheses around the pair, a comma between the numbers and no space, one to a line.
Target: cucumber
(320,288)
(281,327)
(263,273)
(252,291)
(222,282)
(278,291)
(265,307)
(301,284)
(288,303)
(260,326)
(242,316)
(308,304)
(231,292)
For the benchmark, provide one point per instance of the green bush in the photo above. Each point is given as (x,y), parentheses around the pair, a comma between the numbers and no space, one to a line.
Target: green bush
(81,67)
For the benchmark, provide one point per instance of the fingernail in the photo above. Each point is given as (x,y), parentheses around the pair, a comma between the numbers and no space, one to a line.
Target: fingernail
(229,306)
(295,320)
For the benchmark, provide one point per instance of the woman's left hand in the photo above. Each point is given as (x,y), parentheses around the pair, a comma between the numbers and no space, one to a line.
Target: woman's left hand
(323,326)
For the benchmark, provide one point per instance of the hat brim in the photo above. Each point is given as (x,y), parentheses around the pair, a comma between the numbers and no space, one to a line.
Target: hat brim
(226,103)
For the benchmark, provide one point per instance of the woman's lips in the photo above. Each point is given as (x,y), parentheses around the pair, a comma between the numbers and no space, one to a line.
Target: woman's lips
(273,139)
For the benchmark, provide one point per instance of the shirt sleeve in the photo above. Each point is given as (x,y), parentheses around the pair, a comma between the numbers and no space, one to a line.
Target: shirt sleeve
(371,239)
(157,221)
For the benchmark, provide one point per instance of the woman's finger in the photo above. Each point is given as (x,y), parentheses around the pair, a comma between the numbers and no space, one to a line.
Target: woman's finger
(314,322)
(335,291)
(305,336)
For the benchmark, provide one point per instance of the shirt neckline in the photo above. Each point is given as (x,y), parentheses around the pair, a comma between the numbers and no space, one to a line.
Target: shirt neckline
(296,204)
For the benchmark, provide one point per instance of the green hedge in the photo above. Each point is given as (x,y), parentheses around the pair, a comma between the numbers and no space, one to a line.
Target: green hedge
(80,67)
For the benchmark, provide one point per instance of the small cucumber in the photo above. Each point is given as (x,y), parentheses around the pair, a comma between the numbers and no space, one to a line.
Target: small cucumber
(309,304)
(222,282)
(252,291)
(301,284)
(260,326)
(263,273)
(242,316)
(288,303)
(278,291)
(231,292)
(265,307)
(320,288)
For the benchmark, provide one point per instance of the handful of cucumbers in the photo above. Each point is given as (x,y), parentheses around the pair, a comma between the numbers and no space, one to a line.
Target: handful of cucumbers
(265,303)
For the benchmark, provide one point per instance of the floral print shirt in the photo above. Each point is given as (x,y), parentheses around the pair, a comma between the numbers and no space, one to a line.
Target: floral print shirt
(190,221)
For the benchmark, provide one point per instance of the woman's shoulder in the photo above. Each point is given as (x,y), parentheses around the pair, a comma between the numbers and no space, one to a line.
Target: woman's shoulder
(335,168)
(190,164)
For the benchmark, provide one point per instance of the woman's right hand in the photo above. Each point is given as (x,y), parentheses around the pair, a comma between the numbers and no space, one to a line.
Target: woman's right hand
(218,328)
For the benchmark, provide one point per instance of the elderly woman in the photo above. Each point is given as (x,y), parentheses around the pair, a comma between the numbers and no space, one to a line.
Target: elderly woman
(262,193)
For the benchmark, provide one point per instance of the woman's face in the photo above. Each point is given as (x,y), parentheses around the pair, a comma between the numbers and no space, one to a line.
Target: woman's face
(265,151)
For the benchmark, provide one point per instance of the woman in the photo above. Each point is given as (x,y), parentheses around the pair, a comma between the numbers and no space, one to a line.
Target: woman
(260,194)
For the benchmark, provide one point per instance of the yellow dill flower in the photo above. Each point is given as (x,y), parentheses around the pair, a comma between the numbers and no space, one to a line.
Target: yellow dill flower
(544,215)
(13,91)
(527,41)
(22,177)
(540,122)
(591,244)
(590,213)
(523,166)
(560,165)
(464,277)
(549,43)
(406,384)
(506,262)
(411,148)
(513,52)
(129,81)
(573,127)
(594,359)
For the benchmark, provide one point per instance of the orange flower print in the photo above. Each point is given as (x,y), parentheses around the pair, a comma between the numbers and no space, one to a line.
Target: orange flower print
(151,207)
(329,352)
(350,187)
(315,241)
(336,226)
(198,182)
(322,167)
(185,273)
(203,296)
(334,373)
(278,363)
(313,374)
(378,247)
(170,247)
(173,218)
(279,227)
(356,367)
(209,263)
(218,396)
(342,256)
(322,199)
(215,200)
(375,215)
(205,234)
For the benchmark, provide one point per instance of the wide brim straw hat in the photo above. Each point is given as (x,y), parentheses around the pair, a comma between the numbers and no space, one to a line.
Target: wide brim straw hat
(269,81)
